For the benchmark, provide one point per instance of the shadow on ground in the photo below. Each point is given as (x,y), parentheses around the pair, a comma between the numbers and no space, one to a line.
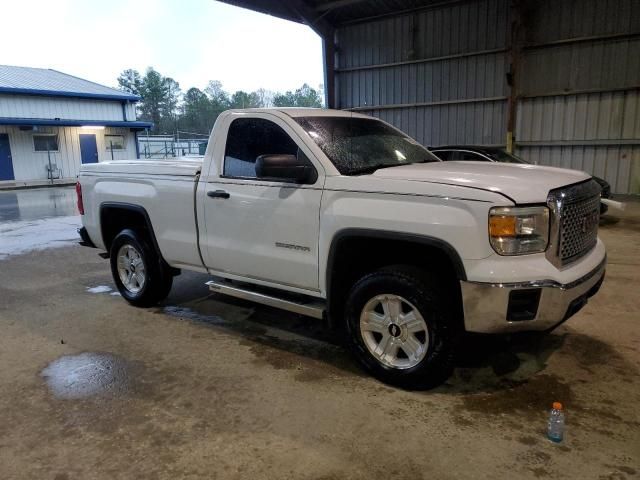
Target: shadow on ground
(486,364)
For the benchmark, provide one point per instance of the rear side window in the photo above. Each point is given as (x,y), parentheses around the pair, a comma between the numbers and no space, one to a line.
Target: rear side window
(444,155)
(454,155)
(471,156)
(248,138)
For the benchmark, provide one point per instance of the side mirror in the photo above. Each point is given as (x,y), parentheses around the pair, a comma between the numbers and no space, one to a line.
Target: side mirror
(288,168)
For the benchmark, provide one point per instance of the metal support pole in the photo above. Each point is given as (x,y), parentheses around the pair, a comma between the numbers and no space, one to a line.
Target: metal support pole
(50,175)
(514,57)
(329,53)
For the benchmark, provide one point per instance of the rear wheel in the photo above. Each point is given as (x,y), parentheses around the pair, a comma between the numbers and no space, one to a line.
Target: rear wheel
(141,277)
(403,326)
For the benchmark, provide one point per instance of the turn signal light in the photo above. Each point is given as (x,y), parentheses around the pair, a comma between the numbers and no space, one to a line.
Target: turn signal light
(502,226)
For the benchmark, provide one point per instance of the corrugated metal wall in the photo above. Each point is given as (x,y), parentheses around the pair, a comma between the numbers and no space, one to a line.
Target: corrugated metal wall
(31,165)
(595,132)
(580,89)
(440,75)
(30,106)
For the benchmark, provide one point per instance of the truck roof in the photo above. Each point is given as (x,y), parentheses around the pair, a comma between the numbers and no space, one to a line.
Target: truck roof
(302,112)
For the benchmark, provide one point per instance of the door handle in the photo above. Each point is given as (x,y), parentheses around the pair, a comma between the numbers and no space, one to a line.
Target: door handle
(218,194)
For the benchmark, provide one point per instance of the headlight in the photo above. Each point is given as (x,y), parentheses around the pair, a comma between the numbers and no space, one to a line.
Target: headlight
(519,230)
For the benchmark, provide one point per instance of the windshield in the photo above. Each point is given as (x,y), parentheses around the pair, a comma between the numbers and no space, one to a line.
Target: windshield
(503,156)
(363,145)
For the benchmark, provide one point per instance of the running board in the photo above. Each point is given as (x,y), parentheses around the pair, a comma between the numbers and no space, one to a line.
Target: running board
(313,308)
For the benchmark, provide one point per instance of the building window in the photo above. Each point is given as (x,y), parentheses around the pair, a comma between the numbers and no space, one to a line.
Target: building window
(114,142)
(44,143)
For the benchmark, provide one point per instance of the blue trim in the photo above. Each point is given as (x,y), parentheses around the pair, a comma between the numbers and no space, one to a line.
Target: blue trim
(135,138)
(73,123)
(6,164)
(60,93)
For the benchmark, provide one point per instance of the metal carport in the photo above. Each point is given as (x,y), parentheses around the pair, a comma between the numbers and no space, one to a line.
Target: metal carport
(557,80)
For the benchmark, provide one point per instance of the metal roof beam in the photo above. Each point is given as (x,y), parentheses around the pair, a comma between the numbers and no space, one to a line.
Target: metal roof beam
(292,10)
(323,7)
(310,17)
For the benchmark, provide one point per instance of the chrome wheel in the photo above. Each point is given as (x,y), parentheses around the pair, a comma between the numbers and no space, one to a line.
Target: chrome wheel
(131,269)
(394,331)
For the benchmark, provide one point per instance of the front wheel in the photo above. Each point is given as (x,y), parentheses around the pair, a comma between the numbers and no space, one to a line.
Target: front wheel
(403,326)
(140,275)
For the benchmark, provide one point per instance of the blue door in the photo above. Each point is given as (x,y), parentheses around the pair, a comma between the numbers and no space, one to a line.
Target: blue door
(88,148)
(6,164)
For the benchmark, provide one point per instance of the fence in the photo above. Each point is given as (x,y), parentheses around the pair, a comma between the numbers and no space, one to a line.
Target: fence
(165,146)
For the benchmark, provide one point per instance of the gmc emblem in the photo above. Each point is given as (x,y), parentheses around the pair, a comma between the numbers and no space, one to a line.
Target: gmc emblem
(590,221)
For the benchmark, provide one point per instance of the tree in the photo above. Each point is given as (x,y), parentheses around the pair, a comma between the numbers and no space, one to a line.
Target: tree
(266,97)
(197,115)
(196,111)
(219,98)
(304,96)
(169,105)
(284,99)
(242,99)
(154,91)
(307,97)
(130,81)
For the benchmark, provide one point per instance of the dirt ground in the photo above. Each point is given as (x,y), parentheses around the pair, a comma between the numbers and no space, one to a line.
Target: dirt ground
(209,387)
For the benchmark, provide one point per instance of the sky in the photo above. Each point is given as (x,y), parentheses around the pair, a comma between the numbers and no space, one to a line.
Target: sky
(192,41)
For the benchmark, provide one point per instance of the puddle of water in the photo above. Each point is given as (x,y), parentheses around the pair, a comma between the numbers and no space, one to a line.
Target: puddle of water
(99,289)
(24,236)
(35,204)
(86,375)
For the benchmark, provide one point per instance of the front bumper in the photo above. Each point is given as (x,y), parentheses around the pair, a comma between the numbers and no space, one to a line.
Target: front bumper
(487,305)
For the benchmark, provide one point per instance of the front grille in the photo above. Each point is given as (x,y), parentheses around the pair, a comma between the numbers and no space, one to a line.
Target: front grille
(575,217)
(579,228)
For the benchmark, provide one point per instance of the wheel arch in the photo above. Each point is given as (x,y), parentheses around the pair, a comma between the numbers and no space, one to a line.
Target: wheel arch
(116,216)
(349,246)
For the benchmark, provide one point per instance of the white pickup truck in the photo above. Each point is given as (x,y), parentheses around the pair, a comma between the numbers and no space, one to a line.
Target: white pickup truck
(337,215)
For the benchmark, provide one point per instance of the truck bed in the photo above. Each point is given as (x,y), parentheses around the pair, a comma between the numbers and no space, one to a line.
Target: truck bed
(163,188)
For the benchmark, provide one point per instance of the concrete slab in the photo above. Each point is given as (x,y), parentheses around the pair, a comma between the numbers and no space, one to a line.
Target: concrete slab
(19,185)
(37,204)
(204,386)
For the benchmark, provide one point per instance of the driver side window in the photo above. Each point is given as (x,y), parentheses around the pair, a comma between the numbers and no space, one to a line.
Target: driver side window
(247,139)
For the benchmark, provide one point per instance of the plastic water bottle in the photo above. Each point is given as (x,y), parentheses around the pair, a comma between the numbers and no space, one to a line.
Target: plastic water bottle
(555,429)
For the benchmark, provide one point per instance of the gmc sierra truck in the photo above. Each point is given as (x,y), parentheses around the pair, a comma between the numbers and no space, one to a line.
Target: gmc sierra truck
(337,215)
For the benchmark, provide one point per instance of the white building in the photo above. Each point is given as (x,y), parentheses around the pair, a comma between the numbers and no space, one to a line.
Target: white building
(51,123)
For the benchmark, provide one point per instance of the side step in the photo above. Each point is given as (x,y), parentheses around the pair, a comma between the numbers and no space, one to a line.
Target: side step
(311,308)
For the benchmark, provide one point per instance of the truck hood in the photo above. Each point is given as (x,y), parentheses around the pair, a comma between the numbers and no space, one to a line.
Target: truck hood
(522,183)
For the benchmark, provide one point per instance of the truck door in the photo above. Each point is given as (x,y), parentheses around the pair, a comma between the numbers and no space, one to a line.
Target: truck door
(256,228)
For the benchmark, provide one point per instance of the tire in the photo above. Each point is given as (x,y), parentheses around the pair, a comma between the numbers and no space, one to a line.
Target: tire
(404,326)
(141,276)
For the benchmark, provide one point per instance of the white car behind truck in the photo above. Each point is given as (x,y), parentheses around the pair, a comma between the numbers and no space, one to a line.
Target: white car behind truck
(338,215)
